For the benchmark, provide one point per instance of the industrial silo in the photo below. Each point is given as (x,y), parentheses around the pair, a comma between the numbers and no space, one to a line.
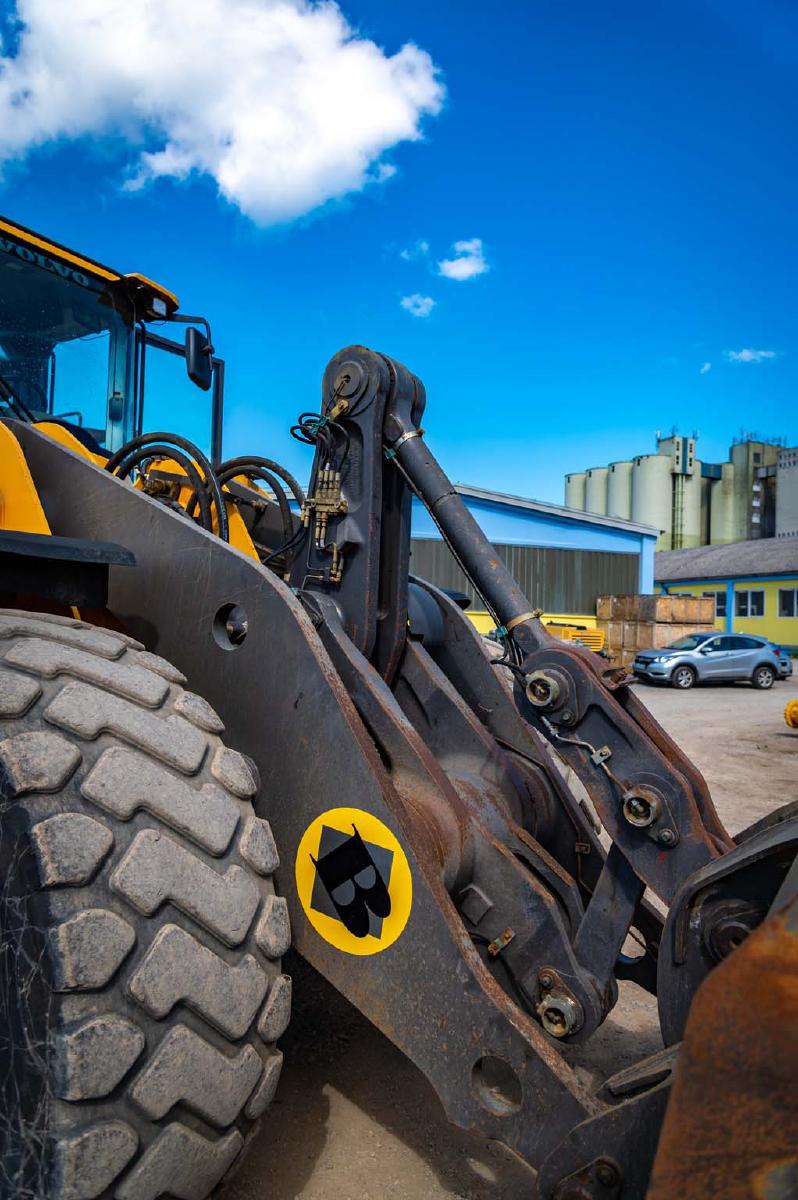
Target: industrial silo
(575,490)
(722,507)
(686,531)
(619,490)
(596,490)
(652,494)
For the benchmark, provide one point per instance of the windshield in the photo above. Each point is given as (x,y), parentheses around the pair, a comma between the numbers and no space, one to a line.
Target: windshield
(692,642)
(65,340)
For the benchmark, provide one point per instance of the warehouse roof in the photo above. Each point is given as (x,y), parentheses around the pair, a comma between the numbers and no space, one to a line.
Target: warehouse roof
(764,556)
(554,510)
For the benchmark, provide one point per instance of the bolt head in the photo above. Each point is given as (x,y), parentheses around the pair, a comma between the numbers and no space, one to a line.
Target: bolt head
(546,980)
(607,1174)
(667,837)
(727,934)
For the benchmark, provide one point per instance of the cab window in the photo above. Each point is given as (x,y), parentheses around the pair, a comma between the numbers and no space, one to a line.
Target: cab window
(65,338)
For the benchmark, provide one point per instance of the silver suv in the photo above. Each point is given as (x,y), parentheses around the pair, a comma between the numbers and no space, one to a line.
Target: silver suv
(711,656)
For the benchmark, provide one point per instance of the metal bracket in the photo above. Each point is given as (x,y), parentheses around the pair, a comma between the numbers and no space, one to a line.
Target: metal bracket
(67,570)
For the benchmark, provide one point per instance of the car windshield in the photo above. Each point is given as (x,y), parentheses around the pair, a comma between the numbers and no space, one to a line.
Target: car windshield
(691,642)
(65,346)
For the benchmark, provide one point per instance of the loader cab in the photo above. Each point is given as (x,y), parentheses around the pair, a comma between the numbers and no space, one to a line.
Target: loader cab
(100,352)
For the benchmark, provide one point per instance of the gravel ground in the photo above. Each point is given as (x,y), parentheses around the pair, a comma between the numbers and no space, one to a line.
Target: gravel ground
(354,1120)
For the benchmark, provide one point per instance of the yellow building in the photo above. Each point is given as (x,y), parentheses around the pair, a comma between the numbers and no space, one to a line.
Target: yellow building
(755,584)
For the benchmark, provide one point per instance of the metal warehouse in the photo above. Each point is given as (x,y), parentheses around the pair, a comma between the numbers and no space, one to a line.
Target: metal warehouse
(755,584)
(563,559)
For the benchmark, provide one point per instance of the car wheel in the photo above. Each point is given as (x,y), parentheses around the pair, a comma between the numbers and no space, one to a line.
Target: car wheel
(763,677)
(683,678)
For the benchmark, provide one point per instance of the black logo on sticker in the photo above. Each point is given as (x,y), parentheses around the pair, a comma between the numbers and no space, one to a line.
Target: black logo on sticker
(352,878)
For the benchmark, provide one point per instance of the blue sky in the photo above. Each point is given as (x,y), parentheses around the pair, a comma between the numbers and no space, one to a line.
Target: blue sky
(629,169)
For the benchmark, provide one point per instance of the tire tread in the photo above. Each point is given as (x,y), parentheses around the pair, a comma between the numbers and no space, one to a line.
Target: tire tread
(152,923)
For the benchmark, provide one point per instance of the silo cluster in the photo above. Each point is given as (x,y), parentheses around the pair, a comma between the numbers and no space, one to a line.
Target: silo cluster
(693,503)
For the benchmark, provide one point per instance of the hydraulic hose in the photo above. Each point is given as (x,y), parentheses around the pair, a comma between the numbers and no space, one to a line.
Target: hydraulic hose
(209,482)
(252,472)
(200,493)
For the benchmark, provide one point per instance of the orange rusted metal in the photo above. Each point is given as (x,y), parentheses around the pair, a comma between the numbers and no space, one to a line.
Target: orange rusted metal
(731,1126)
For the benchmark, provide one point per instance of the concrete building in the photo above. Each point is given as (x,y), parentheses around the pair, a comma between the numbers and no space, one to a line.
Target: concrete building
(754,584)
(693,503)
(563,559)
(787,493)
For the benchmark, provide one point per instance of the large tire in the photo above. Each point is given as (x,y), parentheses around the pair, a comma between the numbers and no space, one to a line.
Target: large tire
(140,984)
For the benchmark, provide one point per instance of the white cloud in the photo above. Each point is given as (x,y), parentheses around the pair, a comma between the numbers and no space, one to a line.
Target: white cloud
(417,305)
(419,250)
(281,102)
(707,366)
(467,263)
(749,356)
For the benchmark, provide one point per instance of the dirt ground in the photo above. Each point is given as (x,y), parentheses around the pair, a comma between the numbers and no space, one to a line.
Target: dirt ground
(355,1120)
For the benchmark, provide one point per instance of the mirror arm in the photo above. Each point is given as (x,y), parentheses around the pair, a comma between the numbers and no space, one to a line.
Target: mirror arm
(186,320)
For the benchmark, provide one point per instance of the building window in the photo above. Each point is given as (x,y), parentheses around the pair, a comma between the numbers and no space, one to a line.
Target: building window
(720,602)
(788,602)
(749,603)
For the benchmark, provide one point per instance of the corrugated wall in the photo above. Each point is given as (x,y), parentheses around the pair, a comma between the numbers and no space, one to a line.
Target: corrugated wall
(562,581)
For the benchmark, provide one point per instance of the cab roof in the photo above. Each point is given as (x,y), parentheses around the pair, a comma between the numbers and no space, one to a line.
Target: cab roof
(139,287)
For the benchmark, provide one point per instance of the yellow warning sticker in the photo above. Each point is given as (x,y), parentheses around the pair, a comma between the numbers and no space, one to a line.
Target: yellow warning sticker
(354,881)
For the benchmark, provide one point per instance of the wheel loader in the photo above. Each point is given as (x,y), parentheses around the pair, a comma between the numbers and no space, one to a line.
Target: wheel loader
(232,720)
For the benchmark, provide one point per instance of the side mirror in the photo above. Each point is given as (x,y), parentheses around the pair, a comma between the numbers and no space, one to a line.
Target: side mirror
(199,358)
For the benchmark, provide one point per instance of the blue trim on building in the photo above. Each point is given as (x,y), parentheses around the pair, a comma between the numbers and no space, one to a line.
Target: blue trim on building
(751,577)
(646,580)
(730,606)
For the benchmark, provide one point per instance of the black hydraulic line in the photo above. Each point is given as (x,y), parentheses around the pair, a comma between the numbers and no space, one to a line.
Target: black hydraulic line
(316,429)
(141,453)
(268,464)
(270,480)
(210,481)
(199,494)
(477,556)
(292,544)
